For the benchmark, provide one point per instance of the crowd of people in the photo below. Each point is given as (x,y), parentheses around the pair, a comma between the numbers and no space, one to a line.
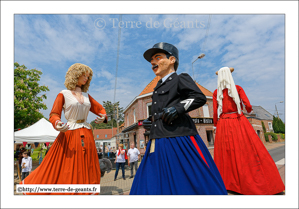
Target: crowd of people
(121,155)
(23,160)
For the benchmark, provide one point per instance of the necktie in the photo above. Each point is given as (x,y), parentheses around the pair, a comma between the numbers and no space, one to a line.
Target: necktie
(159,82)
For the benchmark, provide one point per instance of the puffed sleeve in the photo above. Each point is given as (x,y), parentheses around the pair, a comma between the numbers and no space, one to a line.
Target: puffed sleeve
(55,114)
(97,108)
(192,96)
(244,98)
(215,108)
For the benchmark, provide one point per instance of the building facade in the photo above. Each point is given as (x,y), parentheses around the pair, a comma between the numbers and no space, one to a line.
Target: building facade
(259,115)
(105,136)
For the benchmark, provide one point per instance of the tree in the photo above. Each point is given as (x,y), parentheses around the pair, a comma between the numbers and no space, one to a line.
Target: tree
(27,103)
(111,112)
(278,125)
(264,127)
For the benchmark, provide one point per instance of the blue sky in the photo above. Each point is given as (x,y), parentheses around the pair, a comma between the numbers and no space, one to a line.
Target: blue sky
(253,44)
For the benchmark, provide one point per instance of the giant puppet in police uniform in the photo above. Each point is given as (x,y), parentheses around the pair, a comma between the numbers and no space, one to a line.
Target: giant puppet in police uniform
(176,160)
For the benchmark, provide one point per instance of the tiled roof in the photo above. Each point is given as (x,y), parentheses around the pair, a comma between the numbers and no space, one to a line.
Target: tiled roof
(150,88)
(204,90)
(103,132)
(261,113)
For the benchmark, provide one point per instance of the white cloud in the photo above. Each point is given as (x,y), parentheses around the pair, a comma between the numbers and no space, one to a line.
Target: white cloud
(252,44)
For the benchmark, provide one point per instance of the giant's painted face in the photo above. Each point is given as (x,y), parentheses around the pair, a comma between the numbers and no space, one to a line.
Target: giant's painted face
(83,79)
(161,64)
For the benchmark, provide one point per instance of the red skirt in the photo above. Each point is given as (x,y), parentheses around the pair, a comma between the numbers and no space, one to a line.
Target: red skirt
(67,162)
(243,161)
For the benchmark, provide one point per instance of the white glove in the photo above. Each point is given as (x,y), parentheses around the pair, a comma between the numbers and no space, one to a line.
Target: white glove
(100,119)
(60,126)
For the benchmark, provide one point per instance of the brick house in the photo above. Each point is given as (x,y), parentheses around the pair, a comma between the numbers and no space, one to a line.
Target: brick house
(102,136)
(260,114)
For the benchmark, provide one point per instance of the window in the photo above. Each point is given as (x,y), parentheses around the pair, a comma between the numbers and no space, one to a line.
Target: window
(149,109)
(97,136)
(134,116)
(105,135)
(127,119)
(206,113)
(270,125)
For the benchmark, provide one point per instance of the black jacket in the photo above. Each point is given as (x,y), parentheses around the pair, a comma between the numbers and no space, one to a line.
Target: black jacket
(181,92)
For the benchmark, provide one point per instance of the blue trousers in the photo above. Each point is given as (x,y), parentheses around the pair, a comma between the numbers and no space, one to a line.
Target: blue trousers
(122,165)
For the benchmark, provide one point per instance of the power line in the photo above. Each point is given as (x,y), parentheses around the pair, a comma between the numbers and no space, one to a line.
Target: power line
(117,57)
(207,33)
(116,70)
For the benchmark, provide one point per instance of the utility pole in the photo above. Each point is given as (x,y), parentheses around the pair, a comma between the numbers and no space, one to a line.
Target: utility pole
(276,108)
(117,119)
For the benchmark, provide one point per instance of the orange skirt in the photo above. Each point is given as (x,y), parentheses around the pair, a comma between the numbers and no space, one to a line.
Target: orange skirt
(67,162)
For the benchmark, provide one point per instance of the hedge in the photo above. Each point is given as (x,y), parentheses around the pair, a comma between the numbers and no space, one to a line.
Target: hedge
(282,136)
(274,136)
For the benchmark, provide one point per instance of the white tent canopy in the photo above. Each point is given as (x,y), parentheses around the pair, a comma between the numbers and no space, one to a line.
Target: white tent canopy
(41,131)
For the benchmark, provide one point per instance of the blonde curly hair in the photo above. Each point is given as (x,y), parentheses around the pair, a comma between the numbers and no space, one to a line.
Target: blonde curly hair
(73,74)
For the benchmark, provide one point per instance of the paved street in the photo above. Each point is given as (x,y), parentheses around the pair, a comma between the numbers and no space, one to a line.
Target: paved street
(277,153)
(122,187)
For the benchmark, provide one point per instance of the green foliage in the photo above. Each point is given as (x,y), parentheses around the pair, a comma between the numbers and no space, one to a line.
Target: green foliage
(282,136)
(27,103)
(264,127)
(111,112)
(278,125)
(274,136)
(34,155)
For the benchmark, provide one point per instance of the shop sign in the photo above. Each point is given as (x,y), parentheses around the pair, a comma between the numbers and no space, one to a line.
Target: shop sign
(203,120)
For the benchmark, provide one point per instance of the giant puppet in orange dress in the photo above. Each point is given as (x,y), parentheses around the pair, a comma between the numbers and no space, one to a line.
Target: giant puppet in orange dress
(72,158)
(243,161)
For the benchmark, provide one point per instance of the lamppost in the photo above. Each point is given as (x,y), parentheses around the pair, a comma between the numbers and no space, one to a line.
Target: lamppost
(199,57)
(276,108)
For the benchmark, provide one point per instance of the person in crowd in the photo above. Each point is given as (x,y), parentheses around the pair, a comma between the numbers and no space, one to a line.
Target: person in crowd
(176,161)
(120,160)
(47,150)
(133,158)
(17,156)
(40,156)
(72,158)
(241,157)
(26,165)
(107,153)
(20,157)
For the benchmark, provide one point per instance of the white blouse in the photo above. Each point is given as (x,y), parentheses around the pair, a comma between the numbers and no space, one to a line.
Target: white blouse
(74,110)
(120,158)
